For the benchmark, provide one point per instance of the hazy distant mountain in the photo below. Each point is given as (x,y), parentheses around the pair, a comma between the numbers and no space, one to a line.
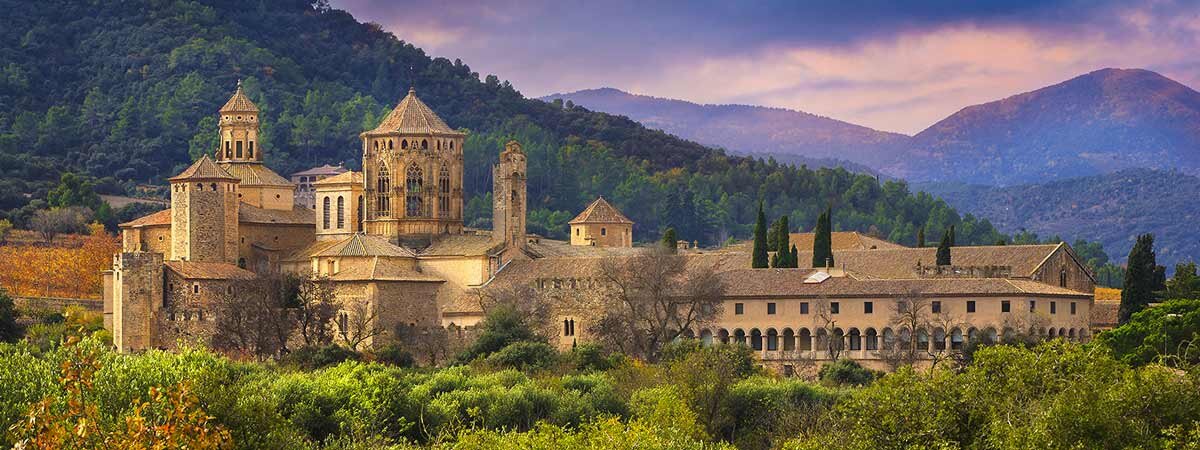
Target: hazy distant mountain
(1111,208)
(1103,121)
(747,129)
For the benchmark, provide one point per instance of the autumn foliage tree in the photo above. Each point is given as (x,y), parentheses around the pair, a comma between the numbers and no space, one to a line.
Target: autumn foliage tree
(69,269)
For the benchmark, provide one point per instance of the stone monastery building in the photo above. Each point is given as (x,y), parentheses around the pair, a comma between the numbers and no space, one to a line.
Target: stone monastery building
(391,237)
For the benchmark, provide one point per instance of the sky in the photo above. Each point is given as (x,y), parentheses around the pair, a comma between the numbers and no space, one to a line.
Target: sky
(889,65)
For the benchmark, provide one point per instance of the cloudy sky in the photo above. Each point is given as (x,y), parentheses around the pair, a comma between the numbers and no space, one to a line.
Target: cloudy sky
(883,64)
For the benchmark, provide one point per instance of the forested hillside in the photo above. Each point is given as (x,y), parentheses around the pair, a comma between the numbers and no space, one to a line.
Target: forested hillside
(1111,209)
(127,92)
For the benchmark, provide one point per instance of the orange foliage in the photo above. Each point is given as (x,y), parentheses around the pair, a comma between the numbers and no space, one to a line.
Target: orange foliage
(1107,294)
(57,271)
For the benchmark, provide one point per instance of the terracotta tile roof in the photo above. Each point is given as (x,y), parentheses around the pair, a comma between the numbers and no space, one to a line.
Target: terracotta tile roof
(325,169)
(412,116)
(842,240)
(900,262)
(306,253)
(197,270)
(298,215)
(239,102)
(350,177)
(600,211)
(1105,314)
(250,173)
(159,218)
(547,248)
(790,283)
(364,245)
(460,245)
(382,269)
(203,169)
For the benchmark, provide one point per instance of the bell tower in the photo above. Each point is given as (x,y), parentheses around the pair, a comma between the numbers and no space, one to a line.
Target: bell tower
(508,196)
(204,214)
(239,129)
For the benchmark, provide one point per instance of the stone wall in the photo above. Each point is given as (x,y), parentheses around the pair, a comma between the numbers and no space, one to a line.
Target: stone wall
(137,295)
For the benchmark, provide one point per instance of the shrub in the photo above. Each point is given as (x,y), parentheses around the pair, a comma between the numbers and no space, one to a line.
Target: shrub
(591,357)
(525,356)
(846,372)
(311,358)
(503,325)
(10,330)
(394,355)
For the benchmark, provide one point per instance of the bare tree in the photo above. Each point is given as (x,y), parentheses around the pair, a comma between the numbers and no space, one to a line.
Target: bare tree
(535,306)
(252,319)
(52,222)
(909,316)
(429,341)
(357,322)
(652,298)
(827,328)
(315,310)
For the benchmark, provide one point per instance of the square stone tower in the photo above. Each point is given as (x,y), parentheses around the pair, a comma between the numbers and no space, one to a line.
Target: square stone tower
(508,196)
(204,214)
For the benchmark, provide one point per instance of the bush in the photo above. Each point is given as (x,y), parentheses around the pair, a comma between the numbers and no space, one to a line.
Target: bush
(845,372)
(525,356)
(394,355)
(1169,332)
(10,330)
(504,325)
(311,358)
(591,358)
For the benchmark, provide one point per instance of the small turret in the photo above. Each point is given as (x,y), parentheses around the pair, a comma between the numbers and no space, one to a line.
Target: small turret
(204,214)
(239,129)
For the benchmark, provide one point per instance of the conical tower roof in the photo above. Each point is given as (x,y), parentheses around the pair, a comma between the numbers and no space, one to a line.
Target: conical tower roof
(600,211)
(203,169)
(239,102)
(412,116)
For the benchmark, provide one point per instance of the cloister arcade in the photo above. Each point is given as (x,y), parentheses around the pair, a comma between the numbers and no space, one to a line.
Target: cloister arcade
(866,343)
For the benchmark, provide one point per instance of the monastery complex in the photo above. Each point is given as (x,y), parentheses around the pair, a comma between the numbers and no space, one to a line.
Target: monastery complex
(391,237)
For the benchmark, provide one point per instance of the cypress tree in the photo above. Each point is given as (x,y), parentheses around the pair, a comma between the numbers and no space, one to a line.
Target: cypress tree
(1141,278)
(781,250)
(943,250)
(823,241)
(953,238)
(759,259)
(920,237)
(795,257)
(669,240)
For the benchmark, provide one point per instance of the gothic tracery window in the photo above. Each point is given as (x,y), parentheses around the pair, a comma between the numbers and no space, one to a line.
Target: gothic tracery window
(414,206)
(444,192)
(384,196)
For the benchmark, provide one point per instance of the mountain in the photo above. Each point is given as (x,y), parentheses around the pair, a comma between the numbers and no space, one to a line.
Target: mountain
(748,129)
(127,93)
(1111,208)
(1106,120)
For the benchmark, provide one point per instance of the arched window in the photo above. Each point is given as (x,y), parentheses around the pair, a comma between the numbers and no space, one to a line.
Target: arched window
(855,339)
(789,340)
(384,196)
(889,339)
(403,144)
(238,146)
(341,213)
(756,339)
(956,339)
(451,145)
(424,144)
(872,339)
(772,340)
(706,338)
(390,146)
(325,213)
(414,206)
(805,339)
(444,192)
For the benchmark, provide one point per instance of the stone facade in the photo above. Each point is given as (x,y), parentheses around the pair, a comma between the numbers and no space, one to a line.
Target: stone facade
(601,225)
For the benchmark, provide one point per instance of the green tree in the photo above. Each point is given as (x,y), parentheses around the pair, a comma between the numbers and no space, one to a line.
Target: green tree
(943,250)
(823,240)
(1140,278)
(10,330)
(669,240)
(73,190)
(504,325)
(782,248)
(1185,283)
(1167,333)
(920,237)
(759,257)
